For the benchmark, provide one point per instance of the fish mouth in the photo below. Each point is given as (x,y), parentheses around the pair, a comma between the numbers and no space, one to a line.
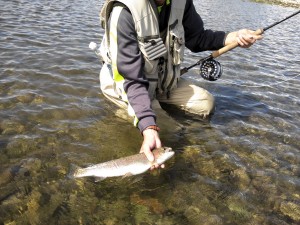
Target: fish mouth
(168,149)
(167,154)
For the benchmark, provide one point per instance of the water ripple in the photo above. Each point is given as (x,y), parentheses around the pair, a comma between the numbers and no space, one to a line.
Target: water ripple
(241,167)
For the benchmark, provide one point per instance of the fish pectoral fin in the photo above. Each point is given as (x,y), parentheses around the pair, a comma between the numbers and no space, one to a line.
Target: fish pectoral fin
(98,179)
(127,175)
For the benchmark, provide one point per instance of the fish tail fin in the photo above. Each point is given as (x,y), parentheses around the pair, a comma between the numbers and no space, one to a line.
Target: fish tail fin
(72,171)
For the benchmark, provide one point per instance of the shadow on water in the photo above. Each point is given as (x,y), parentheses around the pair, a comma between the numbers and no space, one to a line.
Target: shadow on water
(232,103)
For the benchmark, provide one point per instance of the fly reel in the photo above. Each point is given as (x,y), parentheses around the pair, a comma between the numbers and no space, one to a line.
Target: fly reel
(210,69)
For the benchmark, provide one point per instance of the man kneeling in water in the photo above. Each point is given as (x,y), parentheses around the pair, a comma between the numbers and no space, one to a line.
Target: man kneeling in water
(142,50)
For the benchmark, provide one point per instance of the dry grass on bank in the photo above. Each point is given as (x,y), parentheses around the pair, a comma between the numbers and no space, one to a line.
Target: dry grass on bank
(286,3)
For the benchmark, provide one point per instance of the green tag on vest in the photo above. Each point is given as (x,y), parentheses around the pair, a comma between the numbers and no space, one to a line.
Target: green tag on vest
(159,8)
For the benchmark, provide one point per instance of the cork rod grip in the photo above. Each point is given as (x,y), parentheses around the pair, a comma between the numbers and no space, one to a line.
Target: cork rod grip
(229,47)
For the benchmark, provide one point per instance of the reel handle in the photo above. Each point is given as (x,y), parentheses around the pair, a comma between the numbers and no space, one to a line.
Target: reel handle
(227,48)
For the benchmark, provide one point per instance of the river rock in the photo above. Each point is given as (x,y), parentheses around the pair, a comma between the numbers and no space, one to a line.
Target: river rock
(11,127)
(5,176)
(26,98)
(31,164)
(19,146)
(291,209)
(242,178)
(197,216)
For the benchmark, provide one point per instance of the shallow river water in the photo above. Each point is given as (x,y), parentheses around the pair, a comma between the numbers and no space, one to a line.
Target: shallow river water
(241,167)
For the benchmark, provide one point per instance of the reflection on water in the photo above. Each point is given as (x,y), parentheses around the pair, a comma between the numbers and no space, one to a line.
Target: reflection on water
(241,167)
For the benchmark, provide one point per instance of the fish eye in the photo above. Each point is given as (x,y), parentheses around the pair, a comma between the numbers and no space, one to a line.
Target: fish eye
(168,149)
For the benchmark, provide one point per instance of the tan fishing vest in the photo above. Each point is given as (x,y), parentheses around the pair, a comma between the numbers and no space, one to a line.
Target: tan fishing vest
(162,59)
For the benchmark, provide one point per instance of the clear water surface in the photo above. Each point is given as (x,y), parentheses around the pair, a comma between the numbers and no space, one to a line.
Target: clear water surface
(241,167)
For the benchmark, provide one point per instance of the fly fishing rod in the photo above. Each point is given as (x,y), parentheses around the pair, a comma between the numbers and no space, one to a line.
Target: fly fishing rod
(211,69)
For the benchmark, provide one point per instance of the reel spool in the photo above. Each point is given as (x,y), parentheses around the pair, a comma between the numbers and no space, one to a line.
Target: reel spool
(210,69)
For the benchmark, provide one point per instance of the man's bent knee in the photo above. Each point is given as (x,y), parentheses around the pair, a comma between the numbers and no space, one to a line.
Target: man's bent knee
(202,104)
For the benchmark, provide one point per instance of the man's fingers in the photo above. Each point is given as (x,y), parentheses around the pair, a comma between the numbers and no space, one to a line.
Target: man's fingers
(241,41)
(246,40)
(156,166)
(148,154)
(158,143)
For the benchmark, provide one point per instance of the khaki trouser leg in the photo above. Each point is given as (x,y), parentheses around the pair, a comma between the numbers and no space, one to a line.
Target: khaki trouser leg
(191,98)
(164,121)
(107,86)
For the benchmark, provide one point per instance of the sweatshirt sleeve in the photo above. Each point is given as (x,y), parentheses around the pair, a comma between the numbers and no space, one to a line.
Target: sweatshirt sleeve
(197,38)
(130,63)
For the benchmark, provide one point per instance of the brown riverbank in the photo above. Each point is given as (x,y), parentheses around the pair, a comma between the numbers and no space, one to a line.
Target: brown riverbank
(287,3)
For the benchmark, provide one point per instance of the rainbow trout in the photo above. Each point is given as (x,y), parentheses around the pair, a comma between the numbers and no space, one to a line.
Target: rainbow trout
(126,166)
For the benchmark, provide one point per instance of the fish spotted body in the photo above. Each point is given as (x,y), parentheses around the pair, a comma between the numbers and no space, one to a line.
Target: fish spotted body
(126,166)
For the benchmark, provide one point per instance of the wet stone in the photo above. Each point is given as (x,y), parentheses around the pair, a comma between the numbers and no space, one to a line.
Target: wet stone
(151,203)
(11,127)
(238,207)
(26,98)
(272,220)
(33,207)
(5,176)
(190,152)
(194,206)
(57,171)
(213,220)
(291,209)
(20,146)
(10,223)
(27,167)
(193,215)
(256,220)
(296,170)
(242,177)
(197,216)
(290,157)
(32,164)
(38,100)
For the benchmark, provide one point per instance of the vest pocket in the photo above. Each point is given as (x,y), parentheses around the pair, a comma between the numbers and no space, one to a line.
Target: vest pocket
(151,72)
(152,88)
(154,48)
(177,46)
